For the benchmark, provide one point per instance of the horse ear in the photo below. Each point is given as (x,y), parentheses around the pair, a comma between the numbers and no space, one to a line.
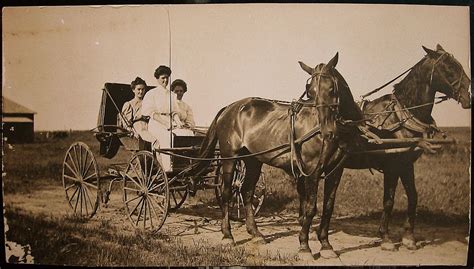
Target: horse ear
(306,68)
(430,52)
(333,62)
(439,48)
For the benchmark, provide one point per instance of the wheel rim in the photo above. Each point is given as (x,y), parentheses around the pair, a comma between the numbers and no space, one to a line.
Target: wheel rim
(146,192)
(81,180)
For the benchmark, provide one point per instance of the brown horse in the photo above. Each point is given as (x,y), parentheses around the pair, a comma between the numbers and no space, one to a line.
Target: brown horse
(404,114)
(253,125)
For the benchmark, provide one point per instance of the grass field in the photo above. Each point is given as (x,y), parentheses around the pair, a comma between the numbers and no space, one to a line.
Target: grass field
(442,179)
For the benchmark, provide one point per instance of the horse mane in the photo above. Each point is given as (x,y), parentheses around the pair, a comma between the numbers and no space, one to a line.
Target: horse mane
(408,87)
(348,107)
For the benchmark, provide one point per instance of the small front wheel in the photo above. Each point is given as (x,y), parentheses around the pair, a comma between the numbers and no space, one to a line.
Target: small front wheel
(146,192)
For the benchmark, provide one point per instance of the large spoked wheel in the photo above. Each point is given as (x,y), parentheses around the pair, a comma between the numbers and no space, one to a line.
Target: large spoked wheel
(146,192)
(237,206)
(81,180)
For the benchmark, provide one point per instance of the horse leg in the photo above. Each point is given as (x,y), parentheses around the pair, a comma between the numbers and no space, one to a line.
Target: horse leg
(227,167)
(390,185)
(309,211)
(301,195)
(330,187)
(408,180)
(252,174)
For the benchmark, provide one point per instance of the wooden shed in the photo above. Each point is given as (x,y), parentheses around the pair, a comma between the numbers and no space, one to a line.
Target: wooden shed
(17,122)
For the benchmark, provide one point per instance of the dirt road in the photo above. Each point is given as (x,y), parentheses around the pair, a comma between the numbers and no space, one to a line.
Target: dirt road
(354,239)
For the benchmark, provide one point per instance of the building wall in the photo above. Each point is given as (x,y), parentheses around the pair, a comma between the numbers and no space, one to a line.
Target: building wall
(19,132)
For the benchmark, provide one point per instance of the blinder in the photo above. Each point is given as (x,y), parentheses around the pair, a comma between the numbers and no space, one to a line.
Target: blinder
(454,85)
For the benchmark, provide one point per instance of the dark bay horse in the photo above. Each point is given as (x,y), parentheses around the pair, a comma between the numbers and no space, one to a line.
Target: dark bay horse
(253,125)
(404,114)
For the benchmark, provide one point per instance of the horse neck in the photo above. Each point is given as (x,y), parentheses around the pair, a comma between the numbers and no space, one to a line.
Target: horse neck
(349,108)
(415,90)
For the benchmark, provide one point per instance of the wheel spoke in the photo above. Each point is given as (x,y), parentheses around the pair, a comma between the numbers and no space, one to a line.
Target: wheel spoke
(142,174)
(90,184)
(153,208)
(85,201)
(70,168)
(72,196)
(144,213)
(151,170)
(88,197)
(136,183)
(156,186)
(132,199)
(136,173)
(77,200)
(88,167)
(74,162)
(145,174)
(131,213)
(90,176)
(72,178)
(81,168)
(157,195)
(80,196)
(131,189)
(151,216)
(141,210)
(70,186)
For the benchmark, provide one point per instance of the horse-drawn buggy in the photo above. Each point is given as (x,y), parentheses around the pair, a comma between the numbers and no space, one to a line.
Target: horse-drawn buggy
(149,191)
(311,139)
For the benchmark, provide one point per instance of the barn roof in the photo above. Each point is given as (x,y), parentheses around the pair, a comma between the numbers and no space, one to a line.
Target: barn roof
(10,107)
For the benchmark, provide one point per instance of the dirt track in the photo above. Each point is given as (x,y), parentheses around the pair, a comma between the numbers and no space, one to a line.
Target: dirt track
(354,239)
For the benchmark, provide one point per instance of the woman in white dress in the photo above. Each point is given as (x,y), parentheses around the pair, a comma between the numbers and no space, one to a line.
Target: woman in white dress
(156,104)
(185,112)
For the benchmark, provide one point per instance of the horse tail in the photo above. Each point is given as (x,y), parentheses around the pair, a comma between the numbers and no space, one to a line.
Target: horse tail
(208,147)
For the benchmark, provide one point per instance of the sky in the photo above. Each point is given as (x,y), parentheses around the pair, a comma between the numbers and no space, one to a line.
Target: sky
(57,59)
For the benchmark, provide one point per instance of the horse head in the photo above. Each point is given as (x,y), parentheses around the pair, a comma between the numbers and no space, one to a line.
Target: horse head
(448,76)
(323,87)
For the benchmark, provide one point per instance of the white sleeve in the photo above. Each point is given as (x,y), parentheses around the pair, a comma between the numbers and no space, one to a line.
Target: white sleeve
(148,104)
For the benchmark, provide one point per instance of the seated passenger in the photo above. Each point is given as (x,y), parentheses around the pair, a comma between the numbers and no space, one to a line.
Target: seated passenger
(184,111)
(156,105)
(131,110)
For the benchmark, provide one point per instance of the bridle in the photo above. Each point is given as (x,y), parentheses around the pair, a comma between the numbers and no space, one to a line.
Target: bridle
(334,107)
(454,85)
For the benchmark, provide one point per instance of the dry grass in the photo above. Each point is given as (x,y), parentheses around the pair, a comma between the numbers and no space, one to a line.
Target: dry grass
(67,240)
(442,179)
(442,182)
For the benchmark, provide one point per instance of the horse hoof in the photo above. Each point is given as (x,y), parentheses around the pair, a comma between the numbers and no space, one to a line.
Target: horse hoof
(305,255)
(258,240)
(328,254)
(409,244)
(228,242)
(388,246)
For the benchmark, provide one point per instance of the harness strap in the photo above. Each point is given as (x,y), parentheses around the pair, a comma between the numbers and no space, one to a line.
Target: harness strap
(295,148)
(386,84)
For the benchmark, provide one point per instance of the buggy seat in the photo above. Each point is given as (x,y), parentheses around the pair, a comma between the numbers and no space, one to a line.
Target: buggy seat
(110,134)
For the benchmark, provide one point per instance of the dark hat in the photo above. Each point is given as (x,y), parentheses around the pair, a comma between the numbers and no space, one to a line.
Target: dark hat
(137,81)
(162,70)
(179,82)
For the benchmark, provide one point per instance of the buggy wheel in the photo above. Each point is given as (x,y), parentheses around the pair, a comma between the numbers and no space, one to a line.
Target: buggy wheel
(146,192)
(237,207)
(178,193)
(81,180)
